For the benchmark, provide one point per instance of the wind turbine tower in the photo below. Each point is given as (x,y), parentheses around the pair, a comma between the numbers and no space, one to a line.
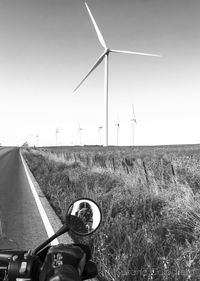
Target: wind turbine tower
(133,120)
(105,55)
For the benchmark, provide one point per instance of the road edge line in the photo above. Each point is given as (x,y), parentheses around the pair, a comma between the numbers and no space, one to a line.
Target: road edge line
(46,222)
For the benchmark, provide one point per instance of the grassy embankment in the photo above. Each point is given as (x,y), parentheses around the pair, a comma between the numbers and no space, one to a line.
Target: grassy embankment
(150,203)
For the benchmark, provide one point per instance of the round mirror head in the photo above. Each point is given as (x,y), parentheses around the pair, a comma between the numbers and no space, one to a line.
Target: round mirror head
(83,216)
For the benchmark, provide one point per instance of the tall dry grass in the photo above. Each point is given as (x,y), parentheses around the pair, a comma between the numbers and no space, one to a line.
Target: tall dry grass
(150,206)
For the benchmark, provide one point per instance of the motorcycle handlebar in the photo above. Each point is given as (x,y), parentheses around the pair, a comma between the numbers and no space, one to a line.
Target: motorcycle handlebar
(17,264)
(21,265)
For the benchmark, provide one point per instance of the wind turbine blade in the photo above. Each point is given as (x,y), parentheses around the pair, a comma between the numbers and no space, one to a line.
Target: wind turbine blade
(94,66)
(135,53)
(100,36)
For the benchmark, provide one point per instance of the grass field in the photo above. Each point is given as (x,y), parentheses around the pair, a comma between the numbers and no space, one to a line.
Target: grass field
(150,202)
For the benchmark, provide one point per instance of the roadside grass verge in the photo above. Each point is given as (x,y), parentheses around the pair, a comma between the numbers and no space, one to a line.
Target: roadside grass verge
(150,206)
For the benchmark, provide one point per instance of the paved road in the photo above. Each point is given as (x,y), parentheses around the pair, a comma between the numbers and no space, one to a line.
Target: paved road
(18,210)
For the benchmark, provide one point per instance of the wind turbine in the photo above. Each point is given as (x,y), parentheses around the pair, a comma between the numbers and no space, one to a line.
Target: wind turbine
(57,131)
(37,136)
(118,125)
(105,55)
(100,128)
(79,131)
(133,120)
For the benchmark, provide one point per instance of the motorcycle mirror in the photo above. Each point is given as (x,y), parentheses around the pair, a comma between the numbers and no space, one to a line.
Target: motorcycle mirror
(83,216)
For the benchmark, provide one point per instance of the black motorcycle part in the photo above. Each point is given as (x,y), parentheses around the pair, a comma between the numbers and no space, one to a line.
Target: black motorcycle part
(3,268)
(86,250)
(24,266)
(90,271)
(17,264)
(5,257)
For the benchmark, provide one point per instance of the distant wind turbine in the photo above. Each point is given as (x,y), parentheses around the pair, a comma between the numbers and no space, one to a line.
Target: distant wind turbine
(118,125)
(133,120)
(37,136)
(57,131)
(100,128)
(80,135)
(100,59)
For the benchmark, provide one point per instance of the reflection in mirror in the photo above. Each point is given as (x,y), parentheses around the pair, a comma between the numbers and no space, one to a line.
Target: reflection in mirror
(83,216)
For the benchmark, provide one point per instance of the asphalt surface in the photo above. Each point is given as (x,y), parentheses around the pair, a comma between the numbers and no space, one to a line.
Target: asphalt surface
(19,215)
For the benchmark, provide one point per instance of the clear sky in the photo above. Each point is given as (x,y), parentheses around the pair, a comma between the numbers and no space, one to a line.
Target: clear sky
(47,46)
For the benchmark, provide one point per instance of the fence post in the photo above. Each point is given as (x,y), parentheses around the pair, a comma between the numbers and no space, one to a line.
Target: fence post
(145,171)
(113,162)
(173,173)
